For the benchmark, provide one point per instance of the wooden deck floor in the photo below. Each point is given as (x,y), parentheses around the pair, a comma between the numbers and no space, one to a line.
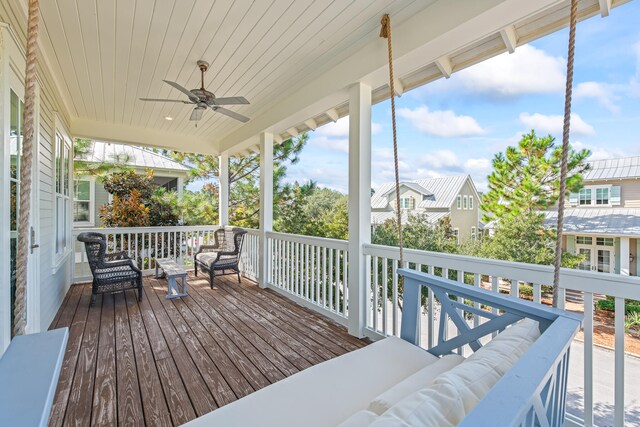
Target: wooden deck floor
(163,362)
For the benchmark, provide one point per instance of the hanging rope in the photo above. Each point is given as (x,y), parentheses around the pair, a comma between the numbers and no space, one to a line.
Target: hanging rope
(565,149)
(385,32)
(26,159)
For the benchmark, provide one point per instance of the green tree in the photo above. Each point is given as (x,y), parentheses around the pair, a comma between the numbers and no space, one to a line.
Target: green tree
(136,202)
(526,178)
(524,239)
(244,177)
(417,233)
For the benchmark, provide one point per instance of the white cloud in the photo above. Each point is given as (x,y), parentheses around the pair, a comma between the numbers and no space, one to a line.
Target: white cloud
(441,159)
(598,152)
(527,70)
(601,92)
(340,128)
(442,123)
(552,124)
(635,80)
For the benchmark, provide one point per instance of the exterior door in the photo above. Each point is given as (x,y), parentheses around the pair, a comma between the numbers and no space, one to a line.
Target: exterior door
(598,253)
(15,150)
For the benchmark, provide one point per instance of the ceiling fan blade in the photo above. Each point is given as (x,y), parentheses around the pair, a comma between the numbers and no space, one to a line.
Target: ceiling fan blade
(164,100)
(187,92)
(231,100)
(196,114)
(231,114)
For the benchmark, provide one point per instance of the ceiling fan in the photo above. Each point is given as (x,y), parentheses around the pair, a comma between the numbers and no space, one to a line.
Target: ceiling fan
(203,99)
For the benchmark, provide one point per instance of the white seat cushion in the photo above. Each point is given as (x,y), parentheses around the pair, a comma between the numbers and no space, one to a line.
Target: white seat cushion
(325,394)
(421,379)
(454,393)
(359,419)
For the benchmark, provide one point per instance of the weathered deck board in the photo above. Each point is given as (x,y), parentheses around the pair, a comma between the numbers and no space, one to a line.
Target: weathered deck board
(164,362)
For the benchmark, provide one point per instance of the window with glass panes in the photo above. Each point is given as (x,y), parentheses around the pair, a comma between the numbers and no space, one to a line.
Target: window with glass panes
(82,201)
(585,196)
(62,198)
(602,196)
(15,150)
(407,203)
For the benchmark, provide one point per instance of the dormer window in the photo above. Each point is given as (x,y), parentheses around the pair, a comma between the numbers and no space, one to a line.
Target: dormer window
(407,203)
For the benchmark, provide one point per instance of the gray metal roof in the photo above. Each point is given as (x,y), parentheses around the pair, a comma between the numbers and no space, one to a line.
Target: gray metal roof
(443,192)
(380,217)
(133,156)
(613,221)
(627,167)
(412,185)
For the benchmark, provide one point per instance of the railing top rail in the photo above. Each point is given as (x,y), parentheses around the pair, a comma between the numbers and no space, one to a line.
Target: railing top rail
(120,230)
(587,281)
(310,240)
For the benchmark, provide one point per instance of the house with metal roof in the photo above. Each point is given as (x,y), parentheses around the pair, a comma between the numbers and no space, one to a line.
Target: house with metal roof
(90,194)
(602,221)
(454,197)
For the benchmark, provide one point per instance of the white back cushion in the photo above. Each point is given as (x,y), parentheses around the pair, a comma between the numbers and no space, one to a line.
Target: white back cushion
(454,393)
(421,379)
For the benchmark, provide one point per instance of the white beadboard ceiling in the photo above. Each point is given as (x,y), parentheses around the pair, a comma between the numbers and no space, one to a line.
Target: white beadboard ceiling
(105,54)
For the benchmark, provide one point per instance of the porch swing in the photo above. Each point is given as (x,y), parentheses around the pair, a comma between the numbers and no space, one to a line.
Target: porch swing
(385,32)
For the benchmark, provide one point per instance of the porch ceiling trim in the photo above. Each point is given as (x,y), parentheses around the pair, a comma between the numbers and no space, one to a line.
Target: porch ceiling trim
(140,136)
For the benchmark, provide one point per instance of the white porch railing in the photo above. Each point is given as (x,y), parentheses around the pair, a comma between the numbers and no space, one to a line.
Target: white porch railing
(310,270)
(145,244)
(385,314)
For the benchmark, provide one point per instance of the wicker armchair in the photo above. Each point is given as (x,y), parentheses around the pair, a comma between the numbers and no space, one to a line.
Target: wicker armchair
(112,272)
(218,257)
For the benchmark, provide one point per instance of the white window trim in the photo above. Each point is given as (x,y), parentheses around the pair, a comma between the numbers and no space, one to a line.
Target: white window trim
(402,199)
(92,201)
(470,202)
(473,233)
(459,202)
(456,231)
(594,199)
(59,259)
(465,203)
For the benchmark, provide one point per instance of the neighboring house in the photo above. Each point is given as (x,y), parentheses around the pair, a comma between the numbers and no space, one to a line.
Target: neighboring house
(454,197)
(90,195)
(602,221)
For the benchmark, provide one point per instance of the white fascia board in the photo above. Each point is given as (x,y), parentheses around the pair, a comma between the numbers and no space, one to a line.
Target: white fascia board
(436,31)
(138,136)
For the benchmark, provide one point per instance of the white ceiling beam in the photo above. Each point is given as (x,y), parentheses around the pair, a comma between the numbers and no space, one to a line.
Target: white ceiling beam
(133,135)
(398,87)
(277,138)
(293,132)
(311,124)
(441,28)
(444,65)
(510,38)
(605,7)
(333,114)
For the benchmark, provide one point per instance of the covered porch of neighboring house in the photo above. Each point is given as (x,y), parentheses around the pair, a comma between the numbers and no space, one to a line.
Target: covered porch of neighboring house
(316,298)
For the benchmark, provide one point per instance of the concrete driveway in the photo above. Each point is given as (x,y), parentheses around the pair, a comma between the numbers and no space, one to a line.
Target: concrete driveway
(603,386)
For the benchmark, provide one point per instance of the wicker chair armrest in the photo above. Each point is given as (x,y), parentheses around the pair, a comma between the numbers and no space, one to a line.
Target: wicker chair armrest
(116,256)
(222,253)
(121,263)
(206,248)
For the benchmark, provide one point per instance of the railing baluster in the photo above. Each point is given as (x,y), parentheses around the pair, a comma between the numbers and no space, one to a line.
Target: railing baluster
(336,294)
(394,296)
(329,276)
(345,278)
(385,285)
(588,359)
(430,322)
(318,282)
(618,401)
(374,308)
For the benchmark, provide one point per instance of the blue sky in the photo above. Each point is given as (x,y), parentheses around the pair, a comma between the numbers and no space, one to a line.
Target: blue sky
(455,126)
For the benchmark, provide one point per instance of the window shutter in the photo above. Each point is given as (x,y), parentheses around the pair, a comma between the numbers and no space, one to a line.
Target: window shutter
(614,197)
(573,199)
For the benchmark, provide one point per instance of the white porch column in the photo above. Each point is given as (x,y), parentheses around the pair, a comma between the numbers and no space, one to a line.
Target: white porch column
(359,203)
(223,190)
(624,256)
(266,204)
(180,185)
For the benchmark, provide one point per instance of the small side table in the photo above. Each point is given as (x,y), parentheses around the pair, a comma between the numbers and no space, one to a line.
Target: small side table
(172,272)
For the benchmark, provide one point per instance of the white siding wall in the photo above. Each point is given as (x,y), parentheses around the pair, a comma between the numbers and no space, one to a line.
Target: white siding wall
(53,286)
